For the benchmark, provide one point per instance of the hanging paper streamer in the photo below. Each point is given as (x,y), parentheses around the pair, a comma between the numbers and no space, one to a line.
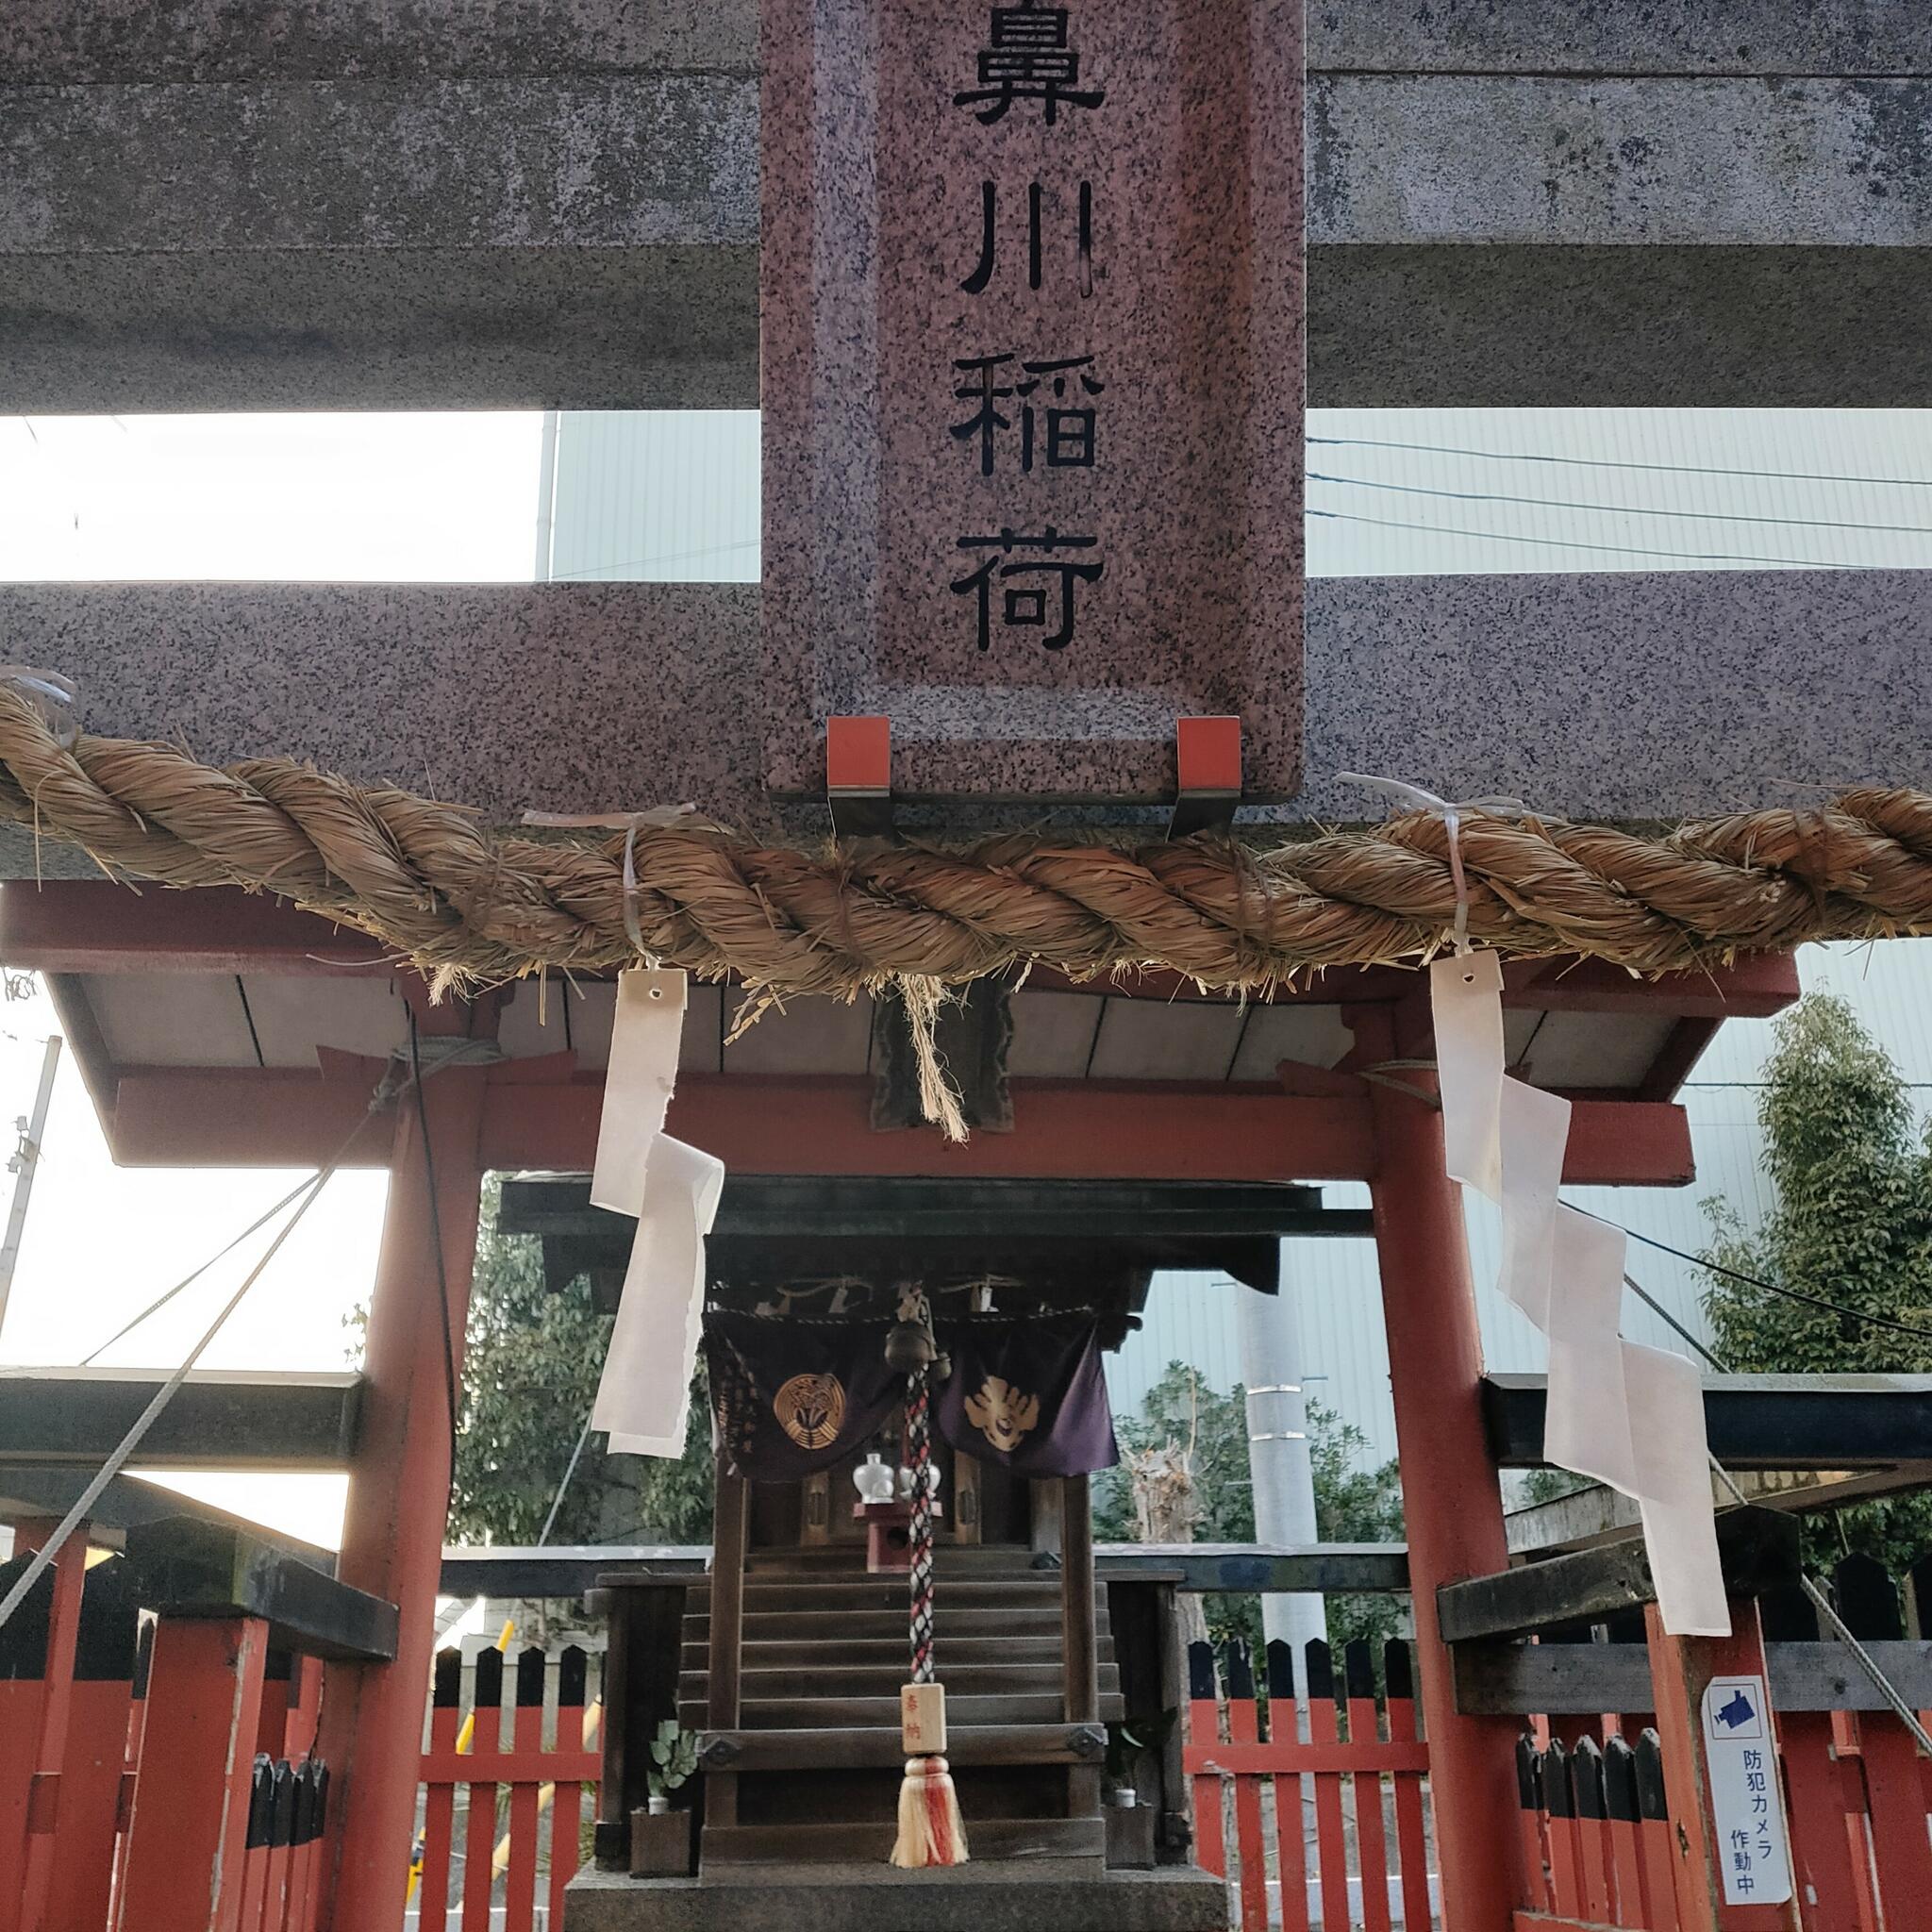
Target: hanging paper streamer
(644,1399)
(1617,1411)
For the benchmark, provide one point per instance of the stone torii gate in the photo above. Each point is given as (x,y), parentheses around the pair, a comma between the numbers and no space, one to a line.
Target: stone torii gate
(241,241)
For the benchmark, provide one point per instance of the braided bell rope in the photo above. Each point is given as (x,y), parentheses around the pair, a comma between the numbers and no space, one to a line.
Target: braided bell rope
(919,1578)
(434,882)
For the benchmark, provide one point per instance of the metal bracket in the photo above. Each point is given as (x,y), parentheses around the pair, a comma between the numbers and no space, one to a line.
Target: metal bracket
(1207,766)
(859,776)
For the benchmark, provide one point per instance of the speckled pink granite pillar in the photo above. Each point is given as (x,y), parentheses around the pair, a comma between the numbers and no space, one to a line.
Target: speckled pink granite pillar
(1032,365)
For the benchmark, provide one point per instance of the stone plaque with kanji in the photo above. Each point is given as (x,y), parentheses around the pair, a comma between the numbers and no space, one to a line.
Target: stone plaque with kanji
(1032,388)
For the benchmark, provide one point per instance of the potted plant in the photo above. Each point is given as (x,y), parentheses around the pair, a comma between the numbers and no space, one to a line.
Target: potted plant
(1129,1823)
(661,1841)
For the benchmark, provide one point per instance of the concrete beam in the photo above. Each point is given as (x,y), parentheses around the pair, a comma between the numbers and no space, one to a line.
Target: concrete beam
(1610,36)
(1473,679)
(1565,161)
(1827,1423)
(77,43)
(1529,327)
(472,242)
(220,1418)
(506,697)
(344,204)
(94,42)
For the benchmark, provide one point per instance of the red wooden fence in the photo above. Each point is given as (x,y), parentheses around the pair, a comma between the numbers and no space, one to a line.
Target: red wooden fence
(153,1779)
(1354,1766)
(518,1773)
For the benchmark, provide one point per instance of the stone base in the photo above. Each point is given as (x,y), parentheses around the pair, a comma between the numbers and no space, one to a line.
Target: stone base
(991,1897)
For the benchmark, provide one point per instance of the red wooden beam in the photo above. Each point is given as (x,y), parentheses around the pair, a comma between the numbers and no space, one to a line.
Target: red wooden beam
(1628,1143)
(1062,1130)
(88,926)
(1753,987)
(241,1117)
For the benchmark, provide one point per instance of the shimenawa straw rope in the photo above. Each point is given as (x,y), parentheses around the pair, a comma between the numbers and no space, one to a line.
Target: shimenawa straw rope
(476,904)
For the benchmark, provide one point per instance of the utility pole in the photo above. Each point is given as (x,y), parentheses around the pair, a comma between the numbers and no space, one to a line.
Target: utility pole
(25,1158)
(1278,1451)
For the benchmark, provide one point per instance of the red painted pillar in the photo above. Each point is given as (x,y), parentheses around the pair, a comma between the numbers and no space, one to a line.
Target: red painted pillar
(1680,1669)
(1452,1500)
(373,1715)
(186,1857)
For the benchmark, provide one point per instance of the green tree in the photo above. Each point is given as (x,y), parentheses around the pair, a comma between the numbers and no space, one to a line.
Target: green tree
(1353,1503)
(530,1369)
(1852,1225)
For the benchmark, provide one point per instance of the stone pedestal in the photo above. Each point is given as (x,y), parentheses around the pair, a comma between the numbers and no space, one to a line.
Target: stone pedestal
(998,1897)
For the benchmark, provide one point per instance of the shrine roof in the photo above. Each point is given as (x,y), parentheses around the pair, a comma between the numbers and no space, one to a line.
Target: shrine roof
(219,1028)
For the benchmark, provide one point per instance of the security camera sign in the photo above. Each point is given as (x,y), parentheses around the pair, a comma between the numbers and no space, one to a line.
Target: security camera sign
(1747,1806)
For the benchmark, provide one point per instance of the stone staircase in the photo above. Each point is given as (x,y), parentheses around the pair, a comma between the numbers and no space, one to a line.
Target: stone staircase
(824,1656)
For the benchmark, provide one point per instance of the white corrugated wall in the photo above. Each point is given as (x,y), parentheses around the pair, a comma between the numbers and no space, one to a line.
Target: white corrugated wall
(672,495)
(655,497)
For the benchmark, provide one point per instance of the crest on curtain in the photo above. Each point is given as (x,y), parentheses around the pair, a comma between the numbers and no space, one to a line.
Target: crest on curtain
(793,1395)
(1028,1394)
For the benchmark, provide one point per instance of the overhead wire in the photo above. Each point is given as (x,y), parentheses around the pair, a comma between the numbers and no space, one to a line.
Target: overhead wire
(187,1280)
(386,1090)
(43,1557)
(1772,1287)
(570,1470)
(1503,456)
(1619,509)
(1339,516)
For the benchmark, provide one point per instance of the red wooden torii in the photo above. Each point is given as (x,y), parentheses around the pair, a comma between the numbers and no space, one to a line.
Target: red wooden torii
(111,958)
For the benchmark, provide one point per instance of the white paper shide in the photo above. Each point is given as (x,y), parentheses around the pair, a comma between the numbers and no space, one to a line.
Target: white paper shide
(1617,1411)
(644,1399)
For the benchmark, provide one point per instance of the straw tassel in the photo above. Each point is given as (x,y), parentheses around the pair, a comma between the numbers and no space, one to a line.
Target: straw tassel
(931,1831)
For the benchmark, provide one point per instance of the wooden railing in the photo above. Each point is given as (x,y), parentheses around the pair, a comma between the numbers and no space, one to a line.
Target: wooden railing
(160,1774)
(1600,1824)
(521,1775)
(1327,1793)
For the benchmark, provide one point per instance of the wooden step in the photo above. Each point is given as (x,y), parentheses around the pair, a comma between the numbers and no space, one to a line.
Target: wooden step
(857,1627)
(858,1592)
(777,1654)
(987,1839)
(834,1676)
(865,1713)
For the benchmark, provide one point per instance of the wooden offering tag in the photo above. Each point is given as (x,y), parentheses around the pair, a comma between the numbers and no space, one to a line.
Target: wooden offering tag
(923,1720)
